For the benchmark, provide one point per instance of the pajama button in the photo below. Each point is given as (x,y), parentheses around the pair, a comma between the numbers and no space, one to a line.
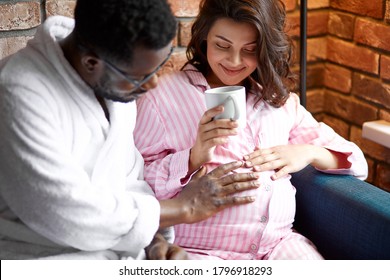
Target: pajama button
(253,247)
(263,219)
(267,187)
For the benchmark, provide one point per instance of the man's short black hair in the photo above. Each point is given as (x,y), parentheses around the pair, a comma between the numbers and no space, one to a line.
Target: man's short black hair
(113,28)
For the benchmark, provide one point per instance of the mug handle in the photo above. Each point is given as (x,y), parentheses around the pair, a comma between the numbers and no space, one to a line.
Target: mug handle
(235,106)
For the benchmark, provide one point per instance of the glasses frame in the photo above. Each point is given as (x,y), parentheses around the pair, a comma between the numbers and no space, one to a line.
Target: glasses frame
(137,83)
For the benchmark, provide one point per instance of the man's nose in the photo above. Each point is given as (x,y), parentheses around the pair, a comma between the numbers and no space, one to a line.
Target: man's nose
(152,83)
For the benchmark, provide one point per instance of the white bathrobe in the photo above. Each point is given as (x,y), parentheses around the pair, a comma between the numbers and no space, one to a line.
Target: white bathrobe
(70,180)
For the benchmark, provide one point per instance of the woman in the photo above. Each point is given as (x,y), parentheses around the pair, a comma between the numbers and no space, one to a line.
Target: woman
(239,42)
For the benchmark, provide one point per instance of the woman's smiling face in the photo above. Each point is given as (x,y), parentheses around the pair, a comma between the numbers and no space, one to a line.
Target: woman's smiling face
(231,52)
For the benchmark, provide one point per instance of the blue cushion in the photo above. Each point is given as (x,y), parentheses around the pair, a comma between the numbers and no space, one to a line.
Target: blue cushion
(346,218)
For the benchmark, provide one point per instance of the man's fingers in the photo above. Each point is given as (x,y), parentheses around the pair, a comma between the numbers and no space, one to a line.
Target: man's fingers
(225,169)
(157,252)
(229,201)
(240,177)
(176,253)
(240,187)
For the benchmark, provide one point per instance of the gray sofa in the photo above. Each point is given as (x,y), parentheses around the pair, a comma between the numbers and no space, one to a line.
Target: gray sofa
(346,218)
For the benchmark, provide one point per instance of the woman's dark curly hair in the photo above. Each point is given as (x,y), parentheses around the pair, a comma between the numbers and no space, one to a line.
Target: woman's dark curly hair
(274,48)
(113,28)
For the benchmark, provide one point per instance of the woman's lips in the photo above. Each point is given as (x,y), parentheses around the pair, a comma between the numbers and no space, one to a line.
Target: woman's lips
(232,72)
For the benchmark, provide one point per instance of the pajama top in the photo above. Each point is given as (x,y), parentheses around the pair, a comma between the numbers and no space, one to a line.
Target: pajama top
(166,129)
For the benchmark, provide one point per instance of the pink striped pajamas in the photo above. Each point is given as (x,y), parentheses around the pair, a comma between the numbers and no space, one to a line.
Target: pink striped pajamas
(166,128)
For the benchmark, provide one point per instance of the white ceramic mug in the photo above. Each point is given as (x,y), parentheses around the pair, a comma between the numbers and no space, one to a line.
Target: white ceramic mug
(233,99)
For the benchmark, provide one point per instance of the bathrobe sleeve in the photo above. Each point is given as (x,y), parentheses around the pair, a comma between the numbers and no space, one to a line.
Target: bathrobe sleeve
(45,182)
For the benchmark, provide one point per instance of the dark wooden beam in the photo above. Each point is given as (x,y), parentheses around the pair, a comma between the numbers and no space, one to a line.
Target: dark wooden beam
(303,51)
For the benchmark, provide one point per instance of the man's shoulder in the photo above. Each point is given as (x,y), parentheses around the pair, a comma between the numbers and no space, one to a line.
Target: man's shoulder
(20,71)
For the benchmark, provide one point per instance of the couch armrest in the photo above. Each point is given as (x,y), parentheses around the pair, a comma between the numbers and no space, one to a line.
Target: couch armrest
(346,218)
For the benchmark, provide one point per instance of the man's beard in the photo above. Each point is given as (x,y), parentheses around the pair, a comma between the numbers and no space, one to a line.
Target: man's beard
(104,89)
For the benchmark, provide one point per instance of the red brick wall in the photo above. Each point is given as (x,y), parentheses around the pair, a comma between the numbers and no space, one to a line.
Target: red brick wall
(348,59)
(356,78)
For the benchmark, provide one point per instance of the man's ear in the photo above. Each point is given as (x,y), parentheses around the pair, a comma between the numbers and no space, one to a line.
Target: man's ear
(90,63)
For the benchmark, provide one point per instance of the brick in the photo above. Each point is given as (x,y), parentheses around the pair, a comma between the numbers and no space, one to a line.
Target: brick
(387,13)
(384,115)
(370,89)
(371,171)
(371,8)
(19,16)
(185,8)
(316,49)
(340,126)
(176,61)
(317,4)
(315,101)
(338,78)
(293,24)
(385,67)
(295,72)
(175,41)
(315,75)
(349,109)
(348,54)
(372,34)
(318,116)
(370,148)
(185,32)
(383,176)
(11,45)
(60,7)
(317,23)
(295,54)
(290,4)
(341,25)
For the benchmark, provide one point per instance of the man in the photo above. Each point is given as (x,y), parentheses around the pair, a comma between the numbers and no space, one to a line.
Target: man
(71,179)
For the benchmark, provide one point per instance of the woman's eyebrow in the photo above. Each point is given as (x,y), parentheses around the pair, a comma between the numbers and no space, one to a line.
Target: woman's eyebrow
(227,40)
(223,38)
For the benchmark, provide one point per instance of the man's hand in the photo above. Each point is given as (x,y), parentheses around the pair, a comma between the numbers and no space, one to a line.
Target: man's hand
(207,195)
(160,249)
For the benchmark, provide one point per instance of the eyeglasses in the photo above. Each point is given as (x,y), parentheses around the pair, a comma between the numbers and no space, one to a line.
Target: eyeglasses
(137,83)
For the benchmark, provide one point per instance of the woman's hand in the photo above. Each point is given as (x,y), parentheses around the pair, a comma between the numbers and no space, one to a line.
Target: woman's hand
(160,249)
(206,195)
(210,134)
(284,159)
(293,158)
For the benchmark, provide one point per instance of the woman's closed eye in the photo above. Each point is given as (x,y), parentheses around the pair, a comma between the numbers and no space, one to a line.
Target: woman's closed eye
(222,46)
(250,50)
